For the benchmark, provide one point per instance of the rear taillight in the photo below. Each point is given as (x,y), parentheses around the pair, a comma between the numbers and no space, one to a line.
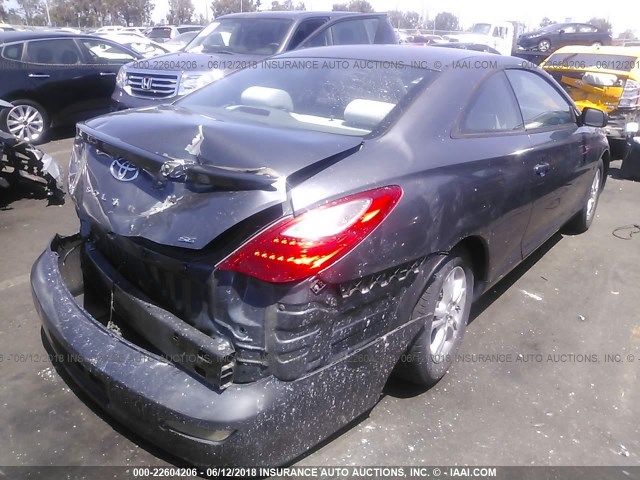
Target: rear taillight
(295,248)
(630,97)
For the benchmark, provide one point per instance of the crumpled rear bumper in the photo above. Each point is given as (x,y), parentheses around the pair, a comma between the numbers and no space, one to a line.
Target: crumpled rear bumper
(268,422)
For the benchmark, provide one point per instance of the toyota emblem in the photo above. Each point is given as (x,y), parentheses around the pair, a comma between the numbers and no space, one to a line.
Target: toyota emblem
(123,170)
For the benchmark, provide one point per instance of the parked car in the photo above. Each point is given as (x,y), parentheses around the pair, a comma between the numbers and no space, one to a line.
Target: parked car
(237,41)
(140,44)
(6,28)
(607,78)
(109,28)
(499,35)
(179,42)
(164,33)
(423,40)
(353,214)
(562,34)
(477,47)
(56,78)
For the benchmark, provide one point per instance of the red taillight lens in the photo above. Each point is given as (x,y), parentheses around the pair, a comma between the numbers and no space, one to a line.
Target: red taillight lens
(295,248)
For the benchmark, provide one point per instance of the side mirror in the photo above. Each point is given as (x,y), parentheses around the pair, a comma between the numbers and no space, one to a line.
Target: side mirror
(593,117)
(561,31)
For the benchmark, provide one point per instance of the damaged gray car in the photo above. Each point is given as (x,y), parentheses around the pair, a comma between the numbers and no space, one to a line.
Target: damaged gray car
(255,260)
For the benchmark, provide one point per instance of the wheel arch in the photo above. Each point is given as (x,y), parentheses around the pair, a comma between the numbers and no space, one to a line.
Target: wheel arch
(477,249)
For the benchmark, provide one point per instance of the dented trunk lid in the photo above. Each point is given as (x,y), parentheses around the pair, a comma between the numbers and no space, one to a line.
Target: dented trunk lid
(127,172)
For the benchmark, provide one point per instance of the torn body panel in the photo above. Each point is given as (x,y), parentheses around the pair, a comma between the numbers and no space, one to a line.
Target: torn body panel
(255,423)
(120,180)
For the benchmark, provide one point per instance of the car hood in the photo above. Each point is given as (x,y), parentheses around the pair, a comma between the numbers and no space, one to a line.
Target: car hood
(186,178)
(199,62)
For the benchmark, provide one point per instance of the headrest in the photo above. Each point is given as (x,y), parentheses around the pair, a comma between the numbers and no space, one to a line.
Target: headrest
(368,113)
(267,97)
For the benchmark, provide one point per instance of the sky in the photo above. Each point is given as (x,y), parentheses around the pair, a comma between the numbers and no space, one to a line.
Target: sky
(622,15)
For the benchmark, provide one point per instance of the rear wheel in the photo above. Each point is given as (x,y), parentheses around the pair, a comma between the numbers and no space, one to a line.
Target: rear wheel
(27,120)
(544,45)
(444,310)
(596,44)
(583,219)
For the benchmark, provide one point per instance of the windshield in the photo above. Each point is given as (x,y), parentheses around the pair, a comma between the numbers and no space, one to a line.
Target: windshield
(256,36)
(481,28)
(344,96)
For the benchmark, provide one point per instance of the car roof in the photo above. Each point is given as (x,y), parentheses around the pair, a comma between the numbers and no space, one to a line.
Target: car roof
(603,50)
(292,14)
(9,37)
(431,55)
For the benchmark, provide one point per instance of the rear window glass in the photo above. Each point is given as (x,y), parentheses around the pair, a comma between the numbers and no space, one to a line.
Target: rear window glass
(13,52)
(160,33)
(344,96)
(590,61)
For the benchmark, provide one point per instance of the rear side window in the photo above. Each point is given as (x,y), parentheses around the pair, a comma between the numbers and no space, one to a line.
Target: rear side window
(348,32)
(56,51)
(13,52)
(494,108)
(542,106)
(305,29)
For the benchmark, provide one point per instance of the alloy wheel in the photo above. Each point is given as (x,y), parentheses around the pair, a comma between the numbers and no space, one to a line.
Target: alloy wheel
(593,195)
(449,312)
(25,122)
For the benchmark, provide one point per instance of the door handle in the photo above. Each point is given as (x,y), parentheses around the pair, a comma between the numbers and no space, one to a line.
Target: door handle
(38,75)
(541,169)
(107,74)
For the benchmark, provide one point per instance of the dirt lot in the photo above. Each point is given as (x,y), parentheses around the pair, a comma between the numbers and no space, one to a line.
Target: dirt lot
(548,373)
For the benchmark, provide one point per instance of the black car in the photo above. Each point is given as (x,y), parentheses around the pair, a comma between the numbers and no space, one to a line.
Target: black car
(256,259)
(562,34)
(241,40)
(56,78)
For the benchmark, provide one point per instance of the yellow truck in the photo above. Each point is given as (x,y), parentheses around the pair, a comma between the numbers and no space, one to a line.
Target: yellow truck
(607,78)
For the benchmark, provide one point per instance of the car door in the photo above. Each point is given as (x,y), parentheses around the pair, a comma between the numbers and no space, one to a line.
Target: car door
(352,30)
(55,75)
(567,35)
(492,124)
(556,160)
(104,59)
(585,35)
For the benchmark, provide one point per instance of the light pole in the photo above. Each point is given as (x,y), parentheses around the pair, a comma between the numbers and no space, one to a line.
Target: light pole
(46,5)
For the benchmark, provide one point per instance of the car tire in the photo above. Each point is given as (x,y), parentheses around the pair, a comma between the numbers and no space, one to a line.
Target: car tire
(596,44)
(28,111)
(431,353)
(544,45)
(581,222)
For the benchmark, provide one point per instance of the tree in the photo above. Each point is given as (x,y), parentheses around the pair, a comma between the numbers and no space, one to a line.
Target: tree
(446,21)
(546,21)
(32,11)
(601,23)
(134,12)
(410,20)
(360,6)
(3,12)
(223,7)
(180,11)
